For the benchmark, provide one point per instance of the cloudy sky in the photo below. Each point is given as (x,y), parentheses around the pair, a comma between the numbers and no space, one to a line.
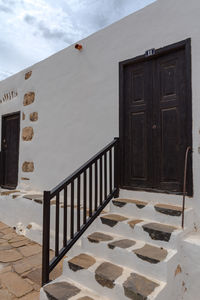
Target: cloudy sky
(32,30)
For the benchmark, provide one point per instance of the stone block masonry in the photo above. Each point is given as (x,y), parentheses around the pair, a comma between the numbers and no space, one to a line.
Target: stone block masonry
(27,133)
(28,75)
(29,98)
(28,166)
(34,116)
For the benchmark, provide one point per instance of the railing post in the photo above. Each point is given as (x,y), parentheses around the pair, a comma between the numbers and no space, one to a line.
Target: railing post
(116,167)
(46,237)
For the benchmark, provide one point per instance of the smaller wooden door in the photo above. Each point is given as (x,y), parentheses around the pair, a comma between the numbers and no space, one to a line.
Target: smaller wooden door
(10,150)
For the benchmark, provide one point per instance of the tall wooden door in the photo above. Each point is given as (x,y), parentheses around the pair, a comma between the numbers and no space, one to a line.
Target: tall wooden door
(156,122)
(10,150)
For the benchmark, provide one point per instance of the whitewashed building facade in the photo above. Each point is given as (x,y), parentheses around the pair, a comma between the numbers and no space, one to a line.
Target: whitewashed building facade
(137,79)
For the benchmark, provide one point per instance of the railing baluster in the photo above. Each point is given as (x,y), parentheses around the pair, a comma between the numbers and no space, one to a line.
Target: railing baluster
(65,218)
(85,197)
(105,176)
(46,237)
(96,184)
(72,210)
(78,202)
(110,170)
(116,168)
(90,191)
(100,181)
(57,225)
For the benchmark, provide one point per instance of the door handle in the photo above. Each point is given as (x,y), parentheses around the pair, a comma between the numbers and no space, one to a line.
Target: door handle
(4,143)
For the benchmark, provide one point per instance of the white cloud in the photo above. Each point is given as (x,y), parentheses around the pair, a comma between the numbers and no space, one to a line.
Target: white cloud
(34,29)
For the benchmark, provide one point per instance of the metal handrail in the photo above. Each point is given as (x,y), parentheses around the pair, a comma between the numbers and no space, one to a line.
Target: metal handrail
(98,179)
(184,182)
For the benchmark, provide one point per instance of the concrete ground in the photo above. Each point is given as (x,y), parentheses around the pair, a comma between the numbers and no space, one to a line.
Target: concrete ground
(20,266)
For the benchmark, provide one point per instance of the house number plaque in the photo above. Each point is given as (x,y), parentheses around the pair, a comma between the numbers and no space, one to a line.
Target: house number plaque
(150,52)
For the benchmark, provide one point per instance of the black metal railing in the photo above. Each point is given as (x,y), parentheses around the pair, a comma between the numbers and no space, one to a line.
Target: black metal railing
(83,195)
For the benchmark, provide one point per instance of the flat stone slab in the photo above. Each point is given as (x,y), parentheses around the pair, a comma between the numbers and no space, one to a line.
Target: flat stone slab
(15,284)
(13,238)
(137,287)
(5,246)
(9,256)
(82,261)
(151,254)
(98,237)
(61,291)
(30,250)
(85,298)
(112,219)
(5,295)
(107,273)
(170,210)
(124,244)
(159,231)
(7,193)
(34,260)
(132,223)
(21,267)
(33,197)
(123,202)
(35,276)
(3,226)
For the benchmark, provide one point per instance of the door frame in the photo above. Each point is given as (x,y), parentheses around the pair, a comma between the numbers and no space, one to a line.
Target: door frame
(2,172)
(186,45)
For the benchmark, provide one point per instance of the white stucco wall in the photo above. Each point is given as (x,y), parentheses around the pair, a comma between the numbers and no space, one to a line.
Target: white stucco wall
(77,92)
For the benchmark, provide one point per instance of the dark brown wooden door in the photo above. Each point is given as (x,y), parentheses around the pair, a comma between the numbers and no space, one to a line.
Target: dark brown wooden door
(155,123)
(10,150)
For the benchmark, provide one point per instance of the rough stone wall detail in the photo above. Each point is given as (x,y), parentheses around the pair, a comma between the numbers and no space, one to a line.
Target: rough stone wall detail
(29,98)
(25,178)
(28,166)
(28,75)
(27,133)
(34,116)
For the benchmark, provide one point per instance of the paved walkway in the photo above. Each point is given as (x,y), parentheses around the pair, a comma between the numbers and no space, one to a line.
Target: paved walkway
(20,266)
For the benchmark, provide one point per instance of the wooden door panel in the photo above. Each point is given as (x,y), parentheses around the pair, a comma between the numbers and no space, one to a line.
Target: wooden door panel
(170,111)
(10,149)
(138,147)
(170,145)
(137,117)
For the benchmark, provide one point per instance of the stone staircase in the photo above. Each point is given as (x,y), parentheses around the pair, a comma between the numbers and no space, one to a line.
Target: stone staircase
(131,252)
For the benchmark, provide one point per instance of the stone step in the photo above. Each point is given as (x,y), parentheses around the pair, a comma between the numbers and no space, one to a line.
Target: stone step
(81,261)
(159,231)
(107,278)
(123,202)
(65,288)
(159,212)
(151,253)
(143,257)
(162,235)
(169,210)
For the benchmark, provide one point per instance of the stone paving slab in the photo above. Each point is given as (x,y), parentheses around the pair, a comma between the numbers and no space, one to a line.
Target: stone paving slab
(20,266)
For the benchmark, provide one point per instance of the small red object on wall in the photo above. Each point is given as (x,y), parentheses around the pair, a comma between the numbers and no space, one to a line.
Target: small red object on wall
(78,47)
